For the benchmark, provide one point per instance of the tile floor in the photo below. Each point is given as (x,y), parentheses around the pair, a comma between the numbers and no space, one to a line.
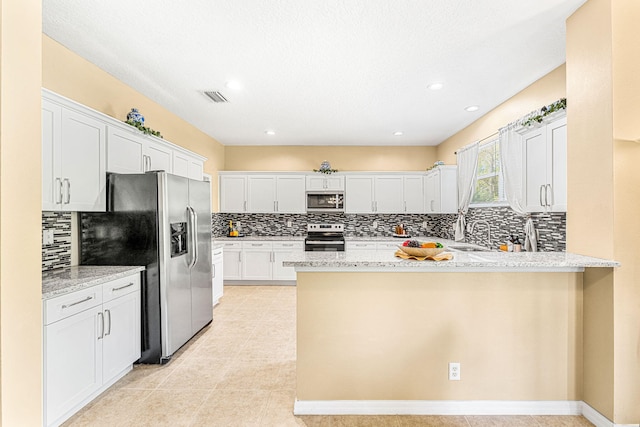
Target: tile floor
(240,371)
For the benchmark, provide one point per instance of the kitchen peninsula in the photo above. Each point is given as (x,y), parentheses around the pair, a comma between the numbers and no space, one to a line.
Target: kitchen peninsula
(376,333)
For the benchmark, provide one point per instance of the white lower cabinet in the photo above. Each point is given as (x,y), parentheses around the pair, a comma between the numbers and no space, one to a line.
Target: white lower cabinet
(217,259)
(253,260)
(359,245)
(91,339)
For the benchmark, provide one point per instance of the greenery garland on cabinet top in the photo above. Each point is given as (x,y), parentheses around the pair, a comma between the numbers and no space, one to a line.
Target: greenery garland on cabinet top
(143,128)
(538,117)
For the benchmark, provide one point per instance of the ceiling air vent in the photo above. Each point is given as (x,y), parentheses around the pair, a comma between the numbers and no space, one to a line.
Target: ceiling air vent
(215,96)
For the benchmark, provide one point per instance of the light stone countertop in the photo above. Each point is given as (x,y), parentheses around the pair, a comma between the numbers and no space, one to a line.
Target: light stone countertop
(253,238)
(481,261)
(70,279)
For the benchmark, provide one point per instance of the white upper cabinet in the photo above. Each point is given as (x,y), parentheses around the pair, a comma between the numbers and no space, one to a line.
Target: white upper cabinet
(290,194)
(159,157)
(187,165)
(359,194)
(414,193)
(545,167)
(261,196)
(233,193)
(125,151)
(441,190)
(73,159)
(325,183)
(389,194)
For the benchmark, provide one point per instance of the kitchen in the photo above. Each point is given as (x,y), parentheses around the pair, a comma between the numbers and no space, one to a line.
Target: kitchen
(593,166)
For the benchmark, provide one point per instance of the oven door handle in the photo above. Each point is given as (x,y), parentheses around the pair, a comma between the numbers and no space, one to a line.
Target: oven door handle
(324,242)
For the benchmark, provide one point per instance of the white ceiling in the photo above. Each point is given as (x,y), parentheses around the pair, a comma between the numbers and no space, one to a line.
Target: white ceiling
(319,72)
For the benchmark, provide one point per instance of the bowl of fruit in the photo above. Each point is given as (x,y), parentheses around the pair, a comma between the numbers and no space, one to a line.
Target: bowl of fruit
(421,249)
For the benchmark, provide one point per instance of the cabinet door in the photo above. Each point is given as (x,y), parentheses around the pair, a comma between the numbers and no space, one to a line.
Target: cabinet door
(316,183)
(290,194)
(413,194)
(51,181)
(217,259)
(535,169)
(181,164)
(72,362)
(282,250)
(333,182)
(233,190)
(389,194)
(196,169)
(83,162)
(159,157)
(557,165)
(257,261)
(261,194)
(232,264)
(121,343)
(359,194)
(432,192)
(360,246)
(124,151)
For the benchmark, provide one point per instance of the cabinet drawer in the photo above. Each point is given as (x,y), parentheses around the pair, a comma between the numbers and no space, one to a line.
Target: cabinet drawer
(119,287)
(288,245)
(67,305)
(361,246)
(257,245)
(232,245)
(389,245)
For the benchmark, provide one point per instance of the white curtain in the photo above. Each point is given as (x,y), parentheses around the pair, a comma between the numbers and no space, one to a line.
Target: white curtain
(511,154)
(467,160)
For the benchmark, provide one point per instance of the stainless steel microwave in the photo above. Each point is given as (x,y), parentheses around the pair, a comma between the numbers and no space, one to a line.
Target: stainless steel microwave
(325,201)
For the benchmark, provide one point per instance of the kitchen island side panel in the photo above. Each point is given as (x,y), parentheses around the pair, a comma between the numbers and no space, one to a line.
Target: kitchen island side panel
(390,336)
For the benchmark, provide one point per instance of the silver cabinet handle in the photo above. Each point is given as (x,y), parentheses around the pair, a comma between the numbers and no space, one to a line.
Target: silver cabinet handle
(550,194)
(431,203)
(59,190)
(68,188)
(405,205)
(101,320)
(239,256)
(108,312)
(217,253)
(287,245)
(245,206)
(65,306)
(255,245)
(275,206)
(122,287)
(542,187)
(373,207)
(214,271)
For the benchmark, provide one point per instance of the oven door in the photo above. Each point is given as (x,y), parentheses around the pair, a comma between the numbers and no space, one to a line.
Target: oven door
(314,245)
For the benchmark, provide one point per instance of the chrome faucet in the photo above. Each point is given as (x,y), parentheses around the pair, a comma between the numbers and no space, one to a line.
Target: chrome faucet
(485,222)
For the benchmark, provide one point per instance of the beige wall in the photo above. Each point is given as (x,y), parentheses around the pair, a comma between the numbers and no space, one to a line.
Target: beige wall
(543,92)
(20,201)
(72,76)
(390,336)
(603,83)
(305,158)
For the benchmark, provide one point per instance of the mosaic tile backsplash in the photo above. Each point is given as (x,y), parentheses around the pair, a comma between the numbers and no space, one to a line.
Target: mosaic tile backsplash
(58,254)
(503,222)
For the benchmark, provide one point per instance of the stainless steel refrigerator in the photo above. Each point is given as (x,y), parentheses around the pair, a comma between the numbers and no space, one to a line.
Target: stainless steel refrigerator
(163,222)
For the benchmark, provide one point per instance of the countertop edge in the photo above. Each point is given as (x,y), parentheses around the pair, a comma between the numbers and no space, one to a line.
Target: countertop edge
(71,279)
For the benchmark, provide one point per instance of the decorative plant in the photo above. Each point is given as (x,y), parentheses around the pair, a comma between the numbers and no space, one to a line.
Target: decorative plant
(436,164)
(538,116)
(325,167)
(143,128)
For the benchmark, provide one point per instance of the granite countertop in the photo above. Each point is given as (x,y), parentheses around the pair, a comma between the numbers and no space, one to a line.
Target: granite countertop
(481,261)
(265,238)
(70,279)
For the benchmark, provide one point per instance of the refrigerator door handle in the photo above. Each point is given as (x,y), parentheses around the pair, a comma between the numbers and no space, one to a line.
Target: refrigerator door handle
(193,219)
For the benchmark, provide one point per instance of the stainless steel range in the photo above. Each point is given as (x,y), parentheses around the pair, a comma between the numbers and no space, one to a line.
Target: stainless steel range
(324,238)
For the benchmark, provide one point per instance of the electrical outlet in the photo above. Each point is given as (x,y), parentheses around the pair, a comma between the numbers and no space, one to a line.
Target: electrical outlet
(424,224)
(289,224)
(375,224)
(454,371)
(47,237)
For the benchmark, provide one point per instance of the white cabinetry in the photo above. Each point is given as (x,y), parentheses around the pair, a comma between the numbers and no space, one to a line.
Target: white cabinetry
(158,157)
(413,193)
(186,165)
(384,193)
(381,246)
(327,182)
(359,194)
(259,260)
(441,190)
(232,261)
(73,159)
(262,193)
(217,260)
(545,167)
(125,151)
(91,339)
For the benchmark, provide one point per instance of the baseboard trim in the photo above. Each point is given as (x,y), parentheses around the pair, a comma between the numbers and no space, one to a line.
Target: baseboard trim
(436,407)
(599,420)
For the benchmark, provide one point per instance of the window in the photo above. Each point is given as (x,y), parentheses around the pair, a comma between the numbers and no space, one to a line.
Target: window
(489,188)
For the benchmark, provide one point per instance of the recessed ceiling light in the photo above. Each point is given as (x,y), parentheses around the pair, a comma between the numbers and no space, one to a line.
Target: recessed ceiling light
(234,84)
(435,86)
(472,108)
(398,133)
(270,132)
